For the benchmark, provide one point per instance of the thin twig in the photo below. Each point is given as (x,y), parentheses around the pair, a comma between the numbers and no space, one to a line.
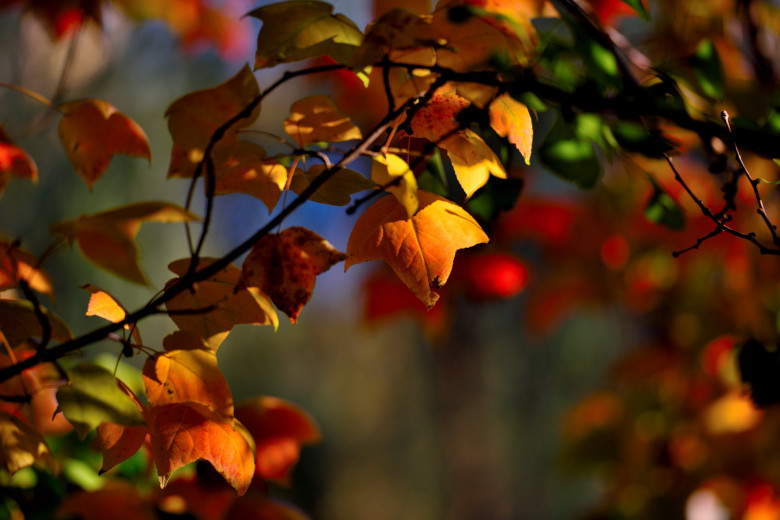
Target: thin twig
(32,95)
(753,183)
(699,241)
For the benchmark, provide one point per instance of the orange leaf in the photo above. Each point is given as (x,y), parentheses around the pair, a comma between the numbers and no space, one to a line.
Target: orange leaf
(180,435)
(420,249)
(279,428)
(258,507)
(93,131)
(106,238)
(20,444)
(285,266)
(17,264)
(223,304)
(117,499)
(14,161)
(472,159)
(511,119)
(187,376)
(193,119)
(398,29)
(315,119)
(105,306)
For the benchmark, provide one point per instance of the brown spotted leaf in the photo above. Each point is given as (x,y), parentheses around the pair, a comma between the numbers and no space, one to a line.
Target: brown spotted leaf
(285,266)
(93,131)
(419,249)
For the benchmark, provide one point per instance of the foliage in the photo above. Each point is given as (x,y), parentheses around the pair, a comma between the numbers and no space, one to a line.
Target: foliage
(447,105)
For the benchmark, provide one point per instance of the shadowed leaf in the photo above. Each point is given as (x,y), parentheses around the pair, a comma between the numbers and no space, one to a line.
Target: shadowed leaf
(18,323)
(337,190)
(17,264)
(20,444)
(315,119)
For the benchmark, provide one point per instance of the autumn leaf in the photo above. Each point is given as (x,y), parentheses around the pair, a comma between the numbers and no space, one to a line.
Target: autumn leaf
(17,264)
(285,266)
(255,506)
(279,428)
(511,119)
(14,162)
(106,238)
(420,249)
(93,131)
(117,499)
(180,434)
(472,159)
(394,174)
(437,119)
(316,119)
(193,119)
(398,29)
(94,396)
(19,323)
(21,445)
(299,30)
(246,169)
(188,376)
(105,306)
(223,304)
(337,190)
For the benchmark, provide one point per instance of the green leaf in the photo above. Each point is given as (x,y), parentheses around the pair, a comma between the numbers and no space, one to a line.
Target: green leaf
(663,210)
(299,30)
(639,7)
(92,397)
(496,196)
(570,156)
(708,70)
(635,138)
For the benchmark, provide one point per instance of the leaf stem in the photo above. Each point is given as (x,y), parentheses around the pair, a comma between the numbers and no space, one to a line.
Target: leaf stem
(32,95)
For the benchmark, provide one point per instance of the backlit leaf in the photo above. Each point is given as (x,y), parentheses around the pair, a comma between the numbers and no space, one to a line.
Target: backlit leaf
(215,305)
(285,266)
(18,323)
(14,162)
(105,306)
(663,210)
(20,444)
(708,69)
(180,434)
(94,396)
(188,376)
(420,249)
(93,131)
(472,159)
(118,443)
(299,30)
(279,428)
(511,119)
(315,119)
(437,119)
(397,29)
(392,172)
(106,238)
(337,190)
(570,155)
(193,119)
(17,264)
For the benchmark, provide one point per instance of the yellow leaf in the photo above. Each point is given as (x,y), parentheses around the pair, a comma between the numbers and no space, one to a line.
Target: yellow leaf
(105,306)
(93,131)
(21,445)
(245,169)
(732,413)
(392,172)
(106,238)
(396,30)
(193,119)
(472,159)
(315,119)
(511,119)
(420,249)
